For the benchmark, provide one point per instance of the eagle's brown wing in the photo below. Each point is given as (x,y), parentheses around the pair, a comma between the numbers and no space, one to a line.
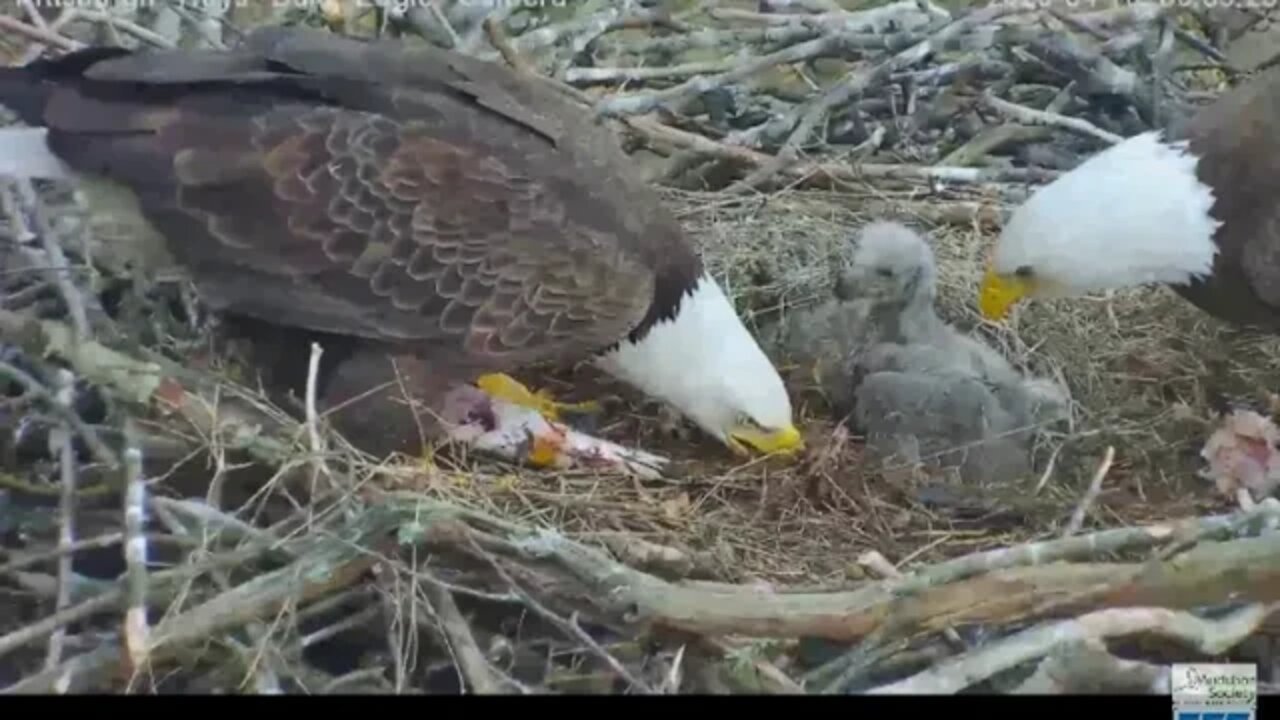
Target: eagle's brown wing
(1245,285)
(414,197)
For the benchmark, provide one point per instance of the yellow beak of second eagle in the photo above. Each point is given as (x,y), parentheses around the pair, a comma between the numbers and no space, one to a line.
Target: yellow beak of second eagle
(999,293)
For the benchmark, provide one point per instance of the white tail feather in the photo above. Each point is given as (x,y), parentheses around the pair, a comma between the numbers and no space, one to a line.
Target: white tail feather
(24,154)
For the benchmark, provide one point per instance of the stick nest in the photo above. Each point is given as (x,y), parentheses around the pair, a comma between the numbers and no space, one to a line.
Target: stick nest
(165,527)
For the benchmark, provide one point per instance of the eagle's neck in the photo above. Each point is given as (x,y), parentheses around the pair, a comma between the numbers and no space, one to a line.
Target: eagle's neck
(697,344)
(915,319)
(676,280)
(1133,214)
(912,321)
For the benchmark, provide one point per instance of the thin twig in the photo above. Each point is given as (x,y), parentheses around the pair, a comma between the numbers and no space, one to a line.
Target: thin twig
(569,627)
(116,22)
(582,30)
(1031,116)
(471,659)
(859,172)
(136,630)
(641,103)
(671,683)
(330,631)
(1090,495)
(101,452)
(774,679)
(586,75)
(23,203)
(51,623)
(43,36)
(1082,546)
(218,524)
(94,543)
(60,442)
(33,14)
(876,19)
(318,465)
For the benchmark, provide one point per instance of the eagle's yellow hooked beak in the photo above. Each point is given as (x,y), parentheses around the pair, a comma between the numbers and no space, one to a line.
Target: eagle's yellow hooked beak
(999,293)
(786,440)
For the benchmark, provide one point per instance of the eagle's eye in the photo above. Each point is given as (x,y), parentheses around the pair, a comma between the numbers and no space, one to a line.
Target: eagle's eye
(747,421)
(884,272)
(1024,271)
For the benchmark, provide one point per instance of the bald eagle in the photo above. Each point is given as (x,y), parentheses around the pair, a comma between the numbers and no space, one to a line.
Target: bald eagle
(432,206)
(1195,206)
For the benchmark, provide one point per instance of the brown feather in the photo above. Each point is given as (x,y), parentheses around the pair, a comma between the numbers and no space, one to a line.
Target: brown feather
(429,201)
(1235,141)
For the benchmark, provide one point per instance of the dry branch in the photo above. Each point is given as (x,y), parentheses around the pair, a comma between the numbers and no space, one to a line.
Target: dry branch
(641,103)
(1093,72)
(333,565)
(1090,495)
(832,171)
(1239,568)
(1211,637)
(896,14)
(158,385)
(1031,116)
(1087,668)
(806,117)
(471,660)
(60,444)
(23,203)
(580,32)
(136,627)
(42,35)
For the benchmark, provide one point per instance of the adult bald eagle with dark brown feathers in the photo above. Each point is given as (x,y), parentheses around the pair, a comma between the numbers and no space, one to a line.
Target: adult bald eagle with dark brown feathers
(439,209)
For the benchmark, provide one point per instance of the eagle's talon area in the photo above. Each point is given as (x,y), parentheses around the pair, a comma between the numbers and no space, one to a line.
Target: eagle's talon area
(505,387)
(519,432)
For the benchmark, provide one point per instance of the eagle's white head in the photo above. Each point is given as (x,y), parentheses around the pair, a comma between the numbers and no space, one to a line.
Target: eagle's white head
(706,364)
(1133,214)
